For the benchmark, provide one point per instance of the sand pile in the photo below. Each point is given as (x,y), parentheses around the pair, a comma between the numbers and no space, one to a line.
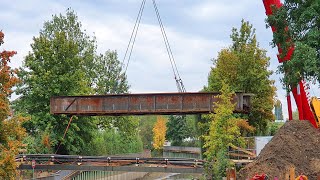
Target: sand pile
(297,143)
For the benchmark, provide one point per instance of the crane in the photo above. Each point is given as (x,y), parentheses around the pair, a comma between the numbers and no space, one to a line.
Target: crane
(310,112)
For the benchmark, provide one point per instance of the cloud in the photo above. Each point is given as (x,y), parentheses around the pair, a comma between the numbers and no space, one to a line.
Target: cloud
(149,68)
(197,30)
(21,21)
(209,10)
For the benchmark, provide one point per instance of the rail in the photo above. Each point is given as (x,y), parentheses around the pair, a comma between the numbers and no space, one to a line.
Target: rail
(104,163)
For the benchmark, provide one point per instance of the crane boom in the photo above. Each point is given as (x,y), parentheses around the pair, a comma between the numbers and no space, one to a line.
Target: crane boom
(298,91)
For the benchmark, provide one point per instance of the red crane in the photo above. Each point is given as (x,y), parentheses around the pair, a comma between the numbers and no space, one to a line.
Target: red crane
(298,91)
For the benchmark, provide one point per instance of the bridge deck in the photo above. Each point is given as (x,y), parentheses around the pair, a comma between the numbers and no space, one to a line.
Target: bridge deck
(143,104)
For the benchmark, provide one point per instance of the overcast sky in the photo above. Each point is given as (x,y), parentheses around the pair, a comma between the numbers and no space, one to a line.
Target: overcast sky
(197,31)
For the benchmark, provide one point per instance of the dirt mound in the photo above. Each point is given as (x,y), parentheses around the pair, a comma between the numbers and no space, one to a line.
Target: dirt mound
(297,143)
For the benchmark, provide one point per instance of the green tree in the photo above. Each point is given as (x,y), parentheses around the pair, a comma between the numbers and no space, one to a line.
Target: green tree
(193,133)
(273,127)
(298,21)
(60,63)
(11,132)
(145,130)
(223,132)
(295,115)
(111,141)
(109,77)
(64,61)
(177,130)
(244,66)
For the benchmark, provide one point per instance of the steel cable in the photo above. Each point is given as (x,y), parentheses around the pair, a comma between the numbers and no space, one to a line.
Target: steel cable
(133,37)
(177,77)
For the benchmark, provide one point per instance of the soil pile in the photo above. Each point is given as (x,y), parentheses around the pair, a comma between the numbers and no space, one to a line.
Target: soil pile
(297,143)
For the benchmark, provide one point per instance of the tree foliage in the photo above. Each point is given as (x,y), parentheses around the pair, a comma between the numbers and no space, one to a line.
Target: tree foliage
(244,66)
(11,132)
(60,63)
(193,131)
(146,130)
(177,130)
(297,23)
(109,77)
(295,115)
(111,141)
(223,132)
(64,62)
(273,127)
(159,133)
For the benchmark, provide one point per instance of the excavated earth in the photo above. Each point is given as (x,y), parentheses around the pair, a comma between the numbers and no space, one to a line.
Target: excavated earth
(296,144)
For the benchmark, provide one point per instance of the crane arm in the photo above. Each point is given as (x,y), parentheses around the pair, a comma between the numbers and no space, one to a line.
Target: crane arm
(298,91)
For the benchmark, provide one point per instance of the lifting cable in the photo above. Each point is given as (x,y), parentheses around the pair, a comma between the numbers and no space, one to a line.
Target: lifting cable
(177,77)
(130,46)
(133,37)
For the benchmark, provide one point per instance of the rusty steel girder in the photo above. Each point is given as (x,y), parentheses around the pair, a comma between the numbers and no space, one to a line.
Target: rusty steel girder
(143,104)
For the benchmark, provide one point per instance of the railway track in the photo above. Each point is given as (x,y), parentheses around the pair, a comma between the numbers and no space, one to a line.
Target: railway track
(109,163)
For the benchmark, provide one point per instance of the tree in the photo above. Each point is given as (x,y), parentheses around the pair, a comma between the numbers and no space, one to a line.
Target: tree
(193,131)
(177,129)
(111,141)
(64,62)
(295,115)
(146,130)
(159,133)
(297,23)
(61,63)
(273,127)
(109,77)
(223,132)
(11,132)
(244,66)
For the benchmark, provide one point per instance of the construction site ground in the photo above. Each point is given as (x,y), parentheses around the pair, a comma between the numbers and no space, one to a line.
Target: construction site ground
(296,144)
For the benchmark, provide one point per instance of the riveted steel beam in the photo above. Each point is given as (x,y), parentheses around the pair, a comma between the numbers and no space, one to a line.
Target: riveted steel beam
(143,104)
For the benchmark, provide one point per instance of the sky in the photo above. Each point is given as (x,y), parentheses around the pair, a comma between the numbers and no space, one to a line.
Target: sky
(197,30)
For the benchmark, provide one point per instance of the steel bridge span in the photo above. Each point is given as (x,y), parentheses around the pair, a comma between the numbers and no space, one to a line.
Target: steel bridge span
(144,104)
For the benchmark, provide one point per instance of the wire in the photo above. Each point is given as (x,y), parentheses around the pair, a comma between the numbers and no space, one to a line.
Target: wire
(165,38)
(177,77)
(132,40)
(133,36)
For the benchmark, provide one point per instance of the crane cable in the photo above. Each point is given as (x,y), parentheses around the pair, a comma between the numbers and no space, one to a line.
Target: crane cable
(176,74)
(133,37)
(177,77)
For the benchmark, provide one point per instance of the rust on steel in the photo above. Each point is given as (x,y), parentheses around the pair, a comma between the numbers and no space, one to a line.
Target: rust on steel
(143,104)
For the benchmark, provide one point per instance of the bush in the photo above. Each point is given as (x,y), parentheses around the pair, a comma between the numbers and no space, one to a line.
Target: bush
(110,142)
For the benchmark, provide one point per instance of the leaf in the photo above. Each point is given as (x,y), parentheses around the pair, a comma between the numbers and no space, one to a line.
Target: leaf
(159,132)
(244,67)
(11,131)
